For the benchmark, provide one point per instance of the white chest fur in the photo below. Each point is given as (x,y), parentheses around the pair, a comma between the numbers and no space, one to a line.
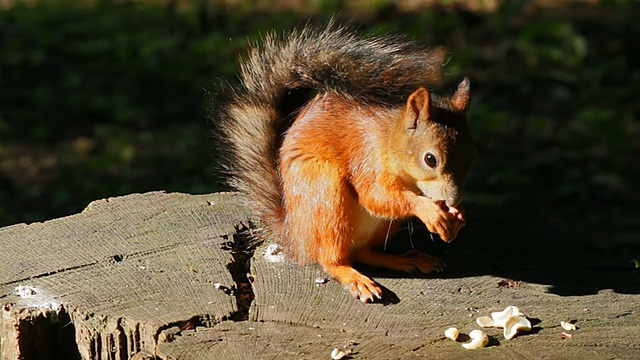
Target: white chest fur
(365,226)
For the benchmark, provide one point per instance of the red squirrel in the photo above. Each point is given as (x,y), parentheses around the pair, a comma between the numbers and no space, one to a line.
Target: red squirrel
(335,139)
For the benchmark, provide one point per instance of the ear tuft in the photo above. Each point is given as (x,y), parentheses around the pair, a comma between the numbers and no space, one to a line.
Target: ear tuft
(437,56)
(460,99)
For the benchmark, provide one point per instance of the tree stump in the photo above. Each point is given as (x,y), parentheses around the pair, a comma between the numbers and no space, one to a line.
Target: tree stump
(171,276)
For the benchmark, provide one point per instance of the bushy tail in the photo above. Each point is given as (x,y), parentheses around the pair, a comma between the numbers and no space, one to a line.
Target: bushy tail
(283,73)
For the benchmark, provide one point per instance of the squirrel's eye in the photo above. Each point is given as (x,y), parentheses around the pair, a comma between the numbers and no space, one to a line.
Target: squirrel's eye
(430,160)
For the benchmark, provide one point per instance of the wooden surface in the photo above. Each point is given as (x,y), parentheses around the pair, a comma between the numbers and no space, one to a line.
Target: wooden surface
(149,275)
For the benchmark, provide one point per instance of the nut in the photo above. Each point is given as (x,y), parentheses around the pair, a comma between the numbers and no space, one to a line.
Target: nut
(485,321)
(452,333)
(514,324)
(568,326)
(478,340)
(565,335)
(500,318)
(337,354)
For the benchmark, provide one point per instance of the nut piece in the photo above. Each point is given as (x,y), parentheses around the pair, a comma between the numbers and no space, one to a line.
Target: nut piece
(500,318)
(565,335)
(485,321)
(337,354)
(452,333)
(274,253)
(568,326)
(478,340)
(514,324)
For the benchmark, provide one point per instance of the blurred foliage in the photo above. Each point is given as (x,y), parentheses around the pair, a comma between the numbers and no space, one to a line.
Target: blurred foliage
(106,98)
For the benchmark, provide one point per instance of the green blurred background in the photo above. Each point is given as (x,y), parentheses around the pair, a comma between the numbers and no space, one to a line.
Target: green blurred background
(106,98)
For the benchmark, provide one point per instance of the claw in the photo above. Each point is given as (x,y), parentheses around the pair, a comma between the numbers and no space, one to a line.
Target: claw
(367,298)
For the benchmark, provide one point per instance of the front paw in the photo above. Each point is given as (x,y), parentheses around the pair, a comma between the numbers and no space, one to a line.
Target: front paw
(435,215)
(446,221)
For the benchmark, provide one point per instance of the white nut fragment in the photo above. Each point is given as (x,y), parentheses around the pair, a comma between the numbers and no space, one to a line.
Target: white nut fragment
(478,340)
(500,318)
(452,333)
(515,324)
(337,354)
(568,326)
(26,291)
(274,253)
(485,321)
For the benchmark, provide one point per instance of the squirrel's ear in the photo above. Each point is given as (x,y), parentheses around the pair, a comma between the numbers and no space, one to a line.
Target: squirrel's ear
(417,108)
(460,99)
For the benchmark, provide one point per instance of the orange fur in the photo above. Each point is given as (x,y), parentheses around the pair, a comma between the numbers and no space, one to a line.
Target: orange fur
(337,179)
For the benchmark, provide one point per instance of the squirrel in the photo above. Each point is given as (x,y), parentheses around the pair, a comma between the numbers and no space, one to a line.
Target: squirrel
(334,139)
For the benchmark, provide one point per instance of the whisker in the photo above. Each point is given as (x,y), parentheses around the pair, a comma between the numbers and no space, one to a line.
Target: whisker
(386,239)
(410,226)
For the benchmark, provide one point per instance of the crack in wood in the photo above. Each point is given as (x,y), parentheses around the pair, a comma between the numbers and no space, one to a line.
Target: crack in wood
(242,246)
(54,272)
(112,258)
